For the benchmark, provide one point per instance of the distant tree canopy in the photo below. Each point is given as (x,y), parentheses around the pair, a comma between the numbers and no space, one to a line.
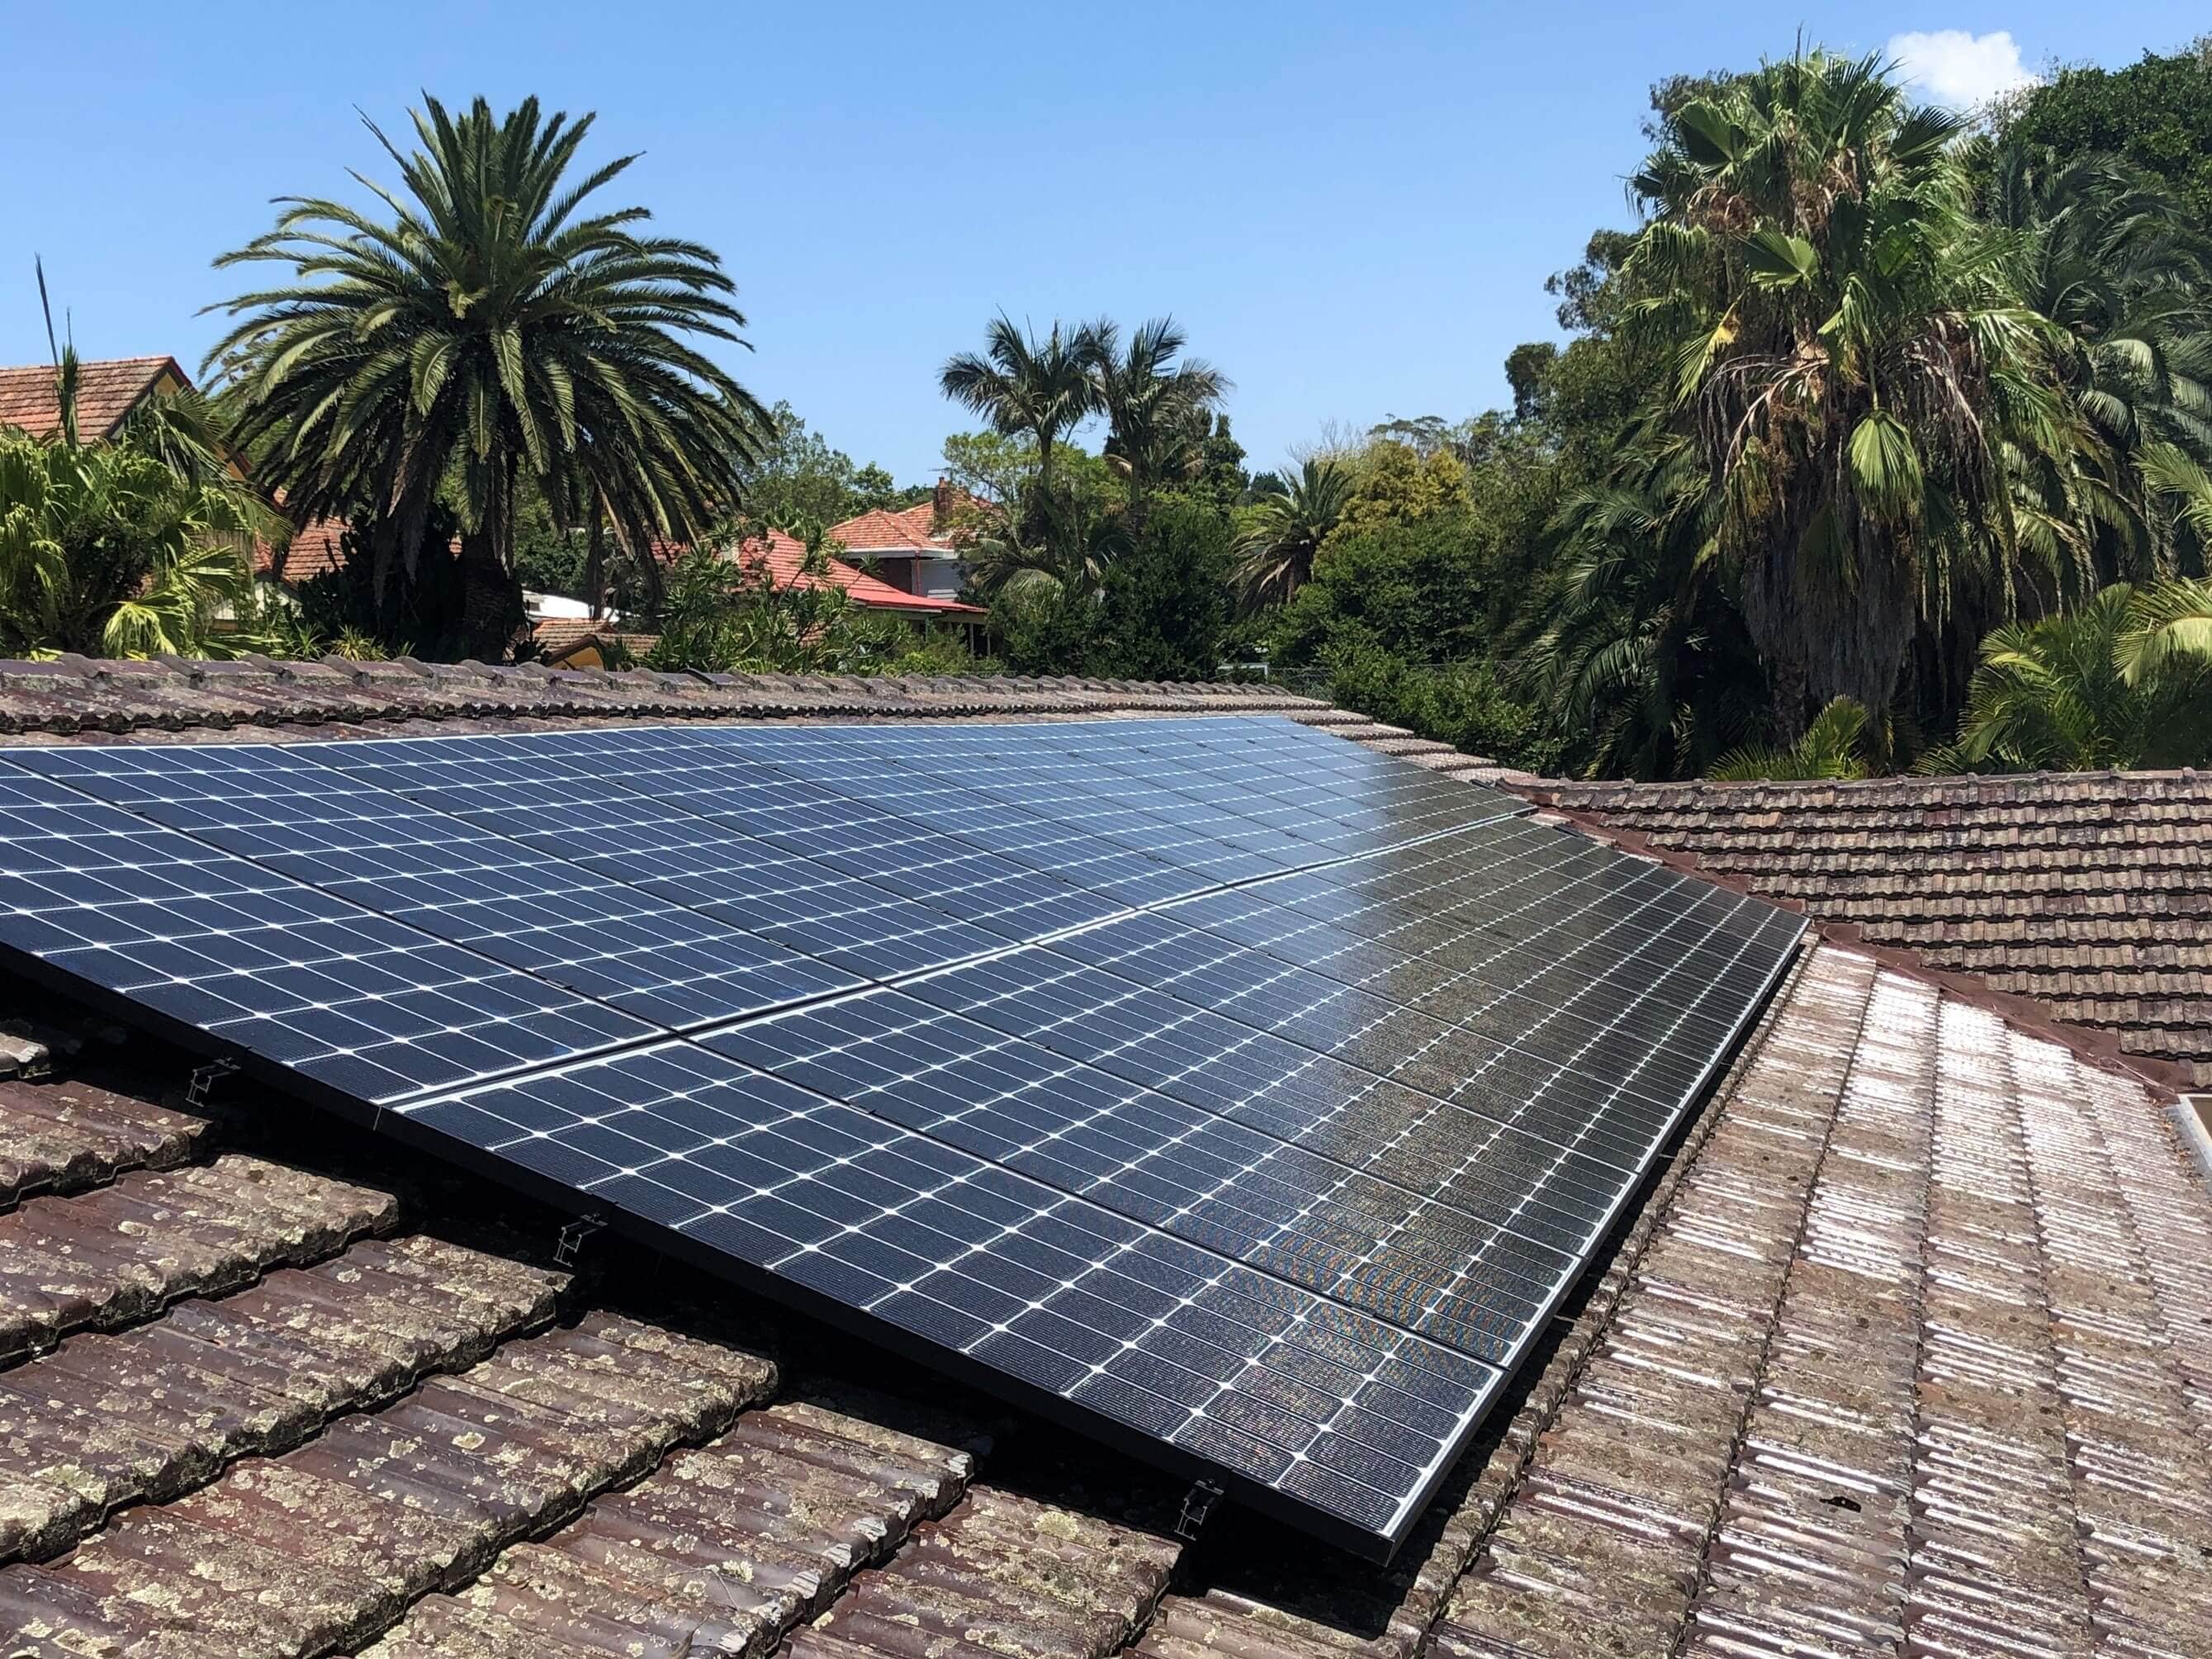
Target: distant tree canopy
(2156,114)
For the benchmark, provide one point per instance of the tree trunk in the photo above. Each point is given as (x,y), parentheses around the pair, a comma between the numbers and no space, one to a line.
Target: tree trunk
(492,597)
(595,560)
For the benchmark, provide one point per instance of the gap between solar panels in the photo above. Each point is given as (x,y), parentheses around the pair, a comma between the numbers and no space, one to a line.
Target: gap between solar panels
(1226,1090)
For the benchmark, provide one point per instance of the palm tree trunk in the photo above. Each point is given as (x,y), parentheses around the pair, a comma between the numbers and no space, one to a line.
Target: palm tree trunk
(492,597)
(595,559)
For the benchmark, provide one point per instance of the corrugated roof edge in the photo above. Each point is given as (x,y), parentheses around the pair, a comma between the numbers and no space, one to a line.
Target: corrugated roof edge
(80,697)
(2100,1049)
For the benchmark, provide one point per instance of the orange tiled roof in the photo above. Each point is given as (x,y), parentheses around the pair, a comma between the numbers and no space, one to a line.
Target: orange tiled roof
(784,555)
(315,548)
(106,392)
(879,530)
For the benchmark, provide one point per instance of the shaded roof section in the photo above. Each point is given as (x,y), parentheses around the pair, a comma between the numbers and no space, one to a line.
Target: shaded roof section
(1910,1349)
(317,548)
(559,638)
(2090,892)
(106,392)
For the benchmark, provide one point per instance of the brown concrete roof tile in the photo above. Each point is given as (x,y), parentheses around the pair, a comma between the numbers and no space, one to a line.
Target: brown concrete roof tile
(68,1135)
(2016,880)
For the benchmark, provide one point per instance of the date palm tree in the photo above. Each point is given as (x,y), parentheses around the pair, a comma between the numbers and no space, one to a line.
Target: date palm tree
(1022,384)
(1276,555)
(482,325)
(2125,680)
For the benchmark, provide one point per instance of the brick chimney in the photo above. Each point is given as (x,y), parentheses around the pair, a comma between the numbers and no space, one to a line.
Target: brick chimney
(940,502)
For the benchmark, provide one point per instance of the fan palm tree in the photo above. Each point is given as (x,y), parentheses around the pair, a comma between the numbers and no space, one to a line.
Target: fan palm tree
(1021,384)
(1157,409)
(484,326)
(1851,360)
(1290,521)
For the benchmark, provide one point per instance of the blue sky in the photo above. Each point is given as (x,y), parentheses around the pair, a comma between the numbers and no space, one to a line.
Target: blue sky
(1353,208)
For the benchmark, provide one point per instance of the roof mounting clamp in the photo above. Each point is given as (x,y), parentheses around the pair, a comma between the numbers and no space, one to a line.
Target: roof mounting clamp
(574,1237)
(1197,1504)
(201,1089)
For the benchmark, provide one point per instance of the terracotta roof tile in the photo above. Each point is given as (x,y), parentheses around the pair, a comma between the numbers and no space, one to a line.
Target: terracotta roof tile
(106,392)
(784,557)
(2031,883)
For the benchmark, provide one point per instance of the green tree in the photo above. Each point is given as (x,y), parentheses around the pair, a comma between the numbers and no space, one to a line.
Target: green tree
(126,549)
(2123,681)
(1158,409)
(1024,386)
(2110,257)
(1287,525)
(1393,483)
(2155,114)
(485,328)
(1835,745)
(799,479)
(1850,362)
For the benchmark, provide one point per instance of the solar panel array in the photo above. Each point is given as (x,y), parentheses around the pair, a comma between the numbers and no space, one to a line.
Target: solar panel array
(1234,1091)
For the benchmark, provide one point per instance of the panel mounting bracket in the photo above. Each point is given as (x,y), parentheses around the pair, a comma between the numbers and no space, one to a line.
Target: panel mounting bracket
(573,1236)
(1197,1504)
(201,1089)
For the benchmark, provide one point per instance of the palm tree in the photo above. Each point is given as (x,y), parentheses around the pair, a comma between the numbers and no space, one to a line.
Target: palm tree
(1021,384)
(2113,260)
(1290,521)
(487,328)
(1642,662)
(1834,746)
(1853,364)
(132,547)
(1157,410)
(2123,681)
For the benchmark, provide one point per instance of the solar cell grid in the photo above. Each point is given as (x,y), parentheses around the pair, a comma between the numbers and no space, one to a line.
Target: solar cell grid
(1158,1160)
(1163,1337)
(644,955)
(350,998)
(1229,1086)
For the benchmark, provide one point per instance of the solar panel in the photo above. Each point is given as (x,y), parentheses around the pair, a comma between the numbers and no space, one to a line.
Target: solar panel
(1233,1092)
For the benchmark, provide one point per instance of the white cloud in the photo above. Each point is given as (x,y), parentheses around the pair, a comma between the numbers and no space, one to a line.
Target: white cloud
(1961,70)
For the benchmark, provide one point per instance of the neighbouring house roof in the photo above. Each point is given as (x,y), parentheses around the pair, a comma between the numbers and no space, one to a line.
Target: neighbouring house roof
(580,642)
(106,392)
(1908,1350)
(2090,892)
(881,532)
(923,528)
(315,548)
(784,556)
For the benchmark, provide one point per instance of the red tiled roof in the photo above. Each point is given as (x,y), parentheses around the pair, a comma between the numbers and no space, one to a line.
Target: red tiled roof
(784,555)
(315,549)
(106,391)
